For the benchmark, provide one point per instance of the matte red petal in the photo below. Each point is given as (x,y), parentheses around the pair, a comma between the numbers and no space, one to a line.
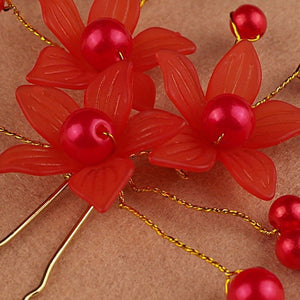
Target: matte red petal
(46,109)
(253,170)
(111,92)
(63,19)
(36,160)
(100,185)
(56,67)
(187,150)
(125,11)
(238,72)
(276,121)
(144,91)
(148,129)
(182,85)
(152,40)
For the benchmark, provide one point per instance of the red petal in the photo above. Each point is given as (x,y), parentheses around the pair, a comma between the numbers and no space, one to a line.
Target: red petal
(63,19)
(276,121)
(143,91)
(182,85)
(238,72)
(111,92)
(46,109)
(148,129)
(36,160)
(152,40)
(253,170)
(187,150)
(125,11)
(100,185)
(56,67)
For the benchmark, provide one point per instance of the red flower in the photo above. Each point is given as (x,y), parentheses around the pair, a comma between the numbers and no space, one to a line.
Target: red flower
(51,111)
(68,69)
(223,126)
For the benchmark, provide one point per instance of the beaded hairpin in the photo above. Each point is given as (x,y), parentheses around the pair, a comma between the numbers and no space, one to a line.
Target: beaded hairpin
(112,90)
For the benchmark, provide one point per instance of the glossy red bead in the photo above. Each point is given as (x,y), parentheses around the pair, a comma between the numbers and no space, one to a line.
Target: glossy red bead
(288,249)
(83,136)
(255,284)
(284,214)
(228,115)
(104,42)
(250,21)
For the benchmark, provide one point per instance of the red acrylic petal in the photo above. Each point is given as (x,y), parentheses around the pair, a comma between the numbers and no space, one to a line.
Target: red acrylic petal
(152,40)
(143,91)
(63,19)
(187,150)
(125,11)
(238,72)
(100,185)
(46,109)
(182,85)
(56,67)
(148,129)
(36,160)
(111,92)
(276,121)
(253,170)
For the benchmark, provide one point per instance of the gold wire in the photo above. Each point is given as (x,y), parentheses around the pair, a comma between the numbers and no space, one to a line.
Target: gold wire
(29,27)
(220,138)
(279,88)
(186,204)
(110,136)
(22,139)
(58,253)
(34,214)
(142,3)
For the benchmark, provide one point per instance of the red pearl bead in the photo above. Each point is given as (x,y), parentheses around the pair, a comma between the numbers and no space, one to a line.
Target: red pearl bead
(284,213)
(250,21)
(83,136)
(255,284)
(104,42)
(230,115)
(288,249)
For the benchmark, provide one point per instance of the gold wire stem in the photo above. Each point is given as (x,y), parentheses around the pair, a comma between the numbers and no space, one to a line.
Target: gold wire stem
(22,139)
(16,12)
(186,204)
(173,240)
(142,3)
(58,253)
(279,88)
(34,214)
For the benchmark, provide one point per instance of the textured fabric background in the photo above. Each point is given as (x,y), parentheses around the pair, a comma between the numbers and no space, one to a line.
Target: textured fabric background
(115,255)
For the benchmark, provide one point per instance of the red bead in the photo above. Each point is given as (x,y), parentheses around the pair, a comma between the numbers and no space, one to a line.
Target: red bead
(284,213)
(1,5)
(230,115)
(288,249)
(255,284)
(250,21)
(104,42)
(83,136)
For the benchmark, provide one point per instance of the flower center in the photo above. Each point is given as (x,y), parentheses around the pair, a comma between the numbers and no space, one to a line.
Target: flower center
(87,136)
(228,121)
(104,42)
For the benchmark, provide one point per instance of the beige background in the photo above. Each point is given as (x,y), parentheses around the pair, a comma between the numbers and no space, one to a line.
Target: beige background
(116,256)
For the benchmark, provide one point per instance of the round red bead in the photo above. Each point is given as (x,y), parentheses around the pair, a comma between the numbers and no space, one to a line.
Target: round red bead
(288,249)
(255,284)
(284,213)
(228,115)
(84,136)
(104,42)
(250,21)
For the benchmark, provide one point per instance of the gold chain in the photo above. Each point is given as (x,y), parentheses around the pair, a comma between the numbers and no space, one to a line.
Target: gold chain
(22,138)
(186,204)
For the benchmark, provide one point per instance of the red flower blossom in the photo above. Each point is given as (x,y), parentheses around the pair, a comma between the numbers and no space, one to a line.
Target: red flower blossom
(49,110)
(68,69)
(215,130)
